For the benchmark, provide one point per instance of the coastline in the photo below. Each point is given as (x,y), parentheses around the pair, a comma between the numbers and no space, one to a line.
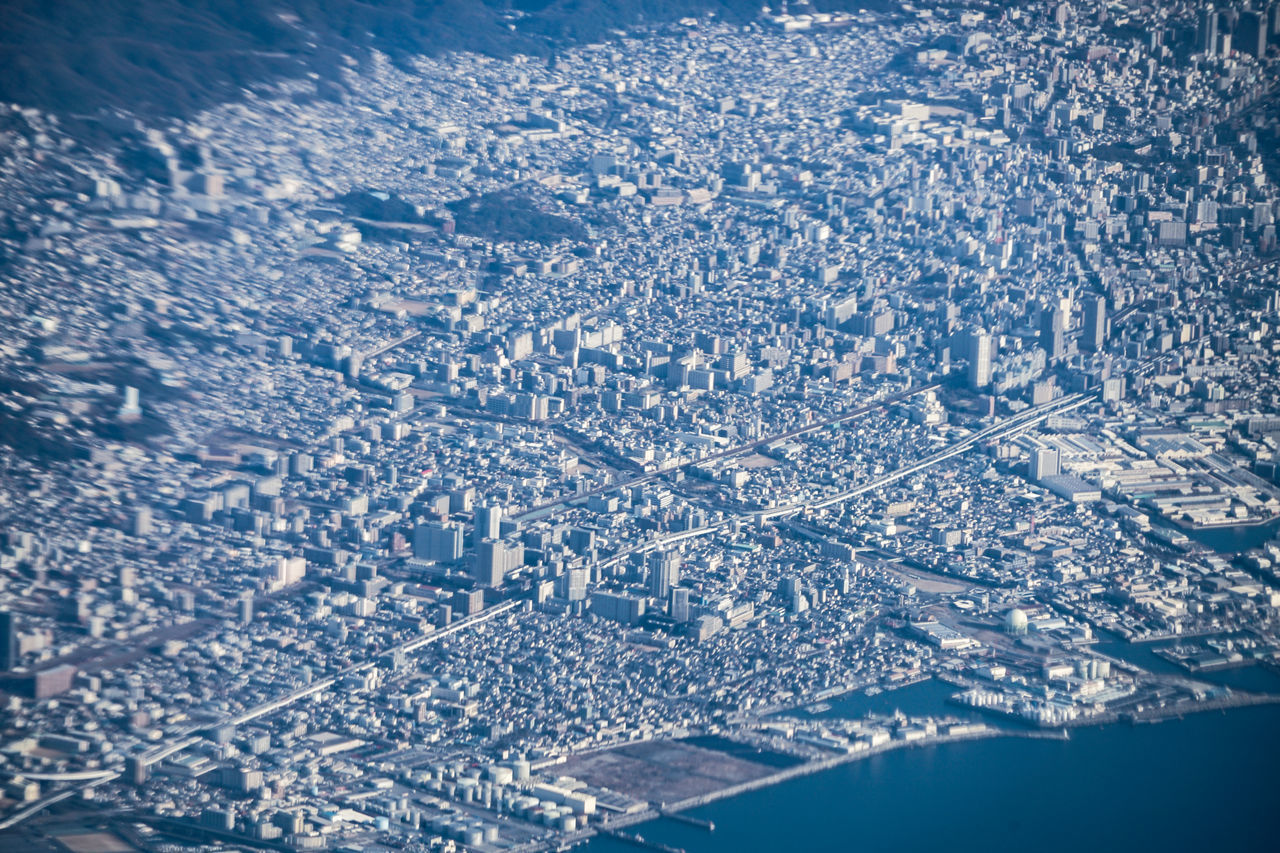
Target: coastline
(1152,716)
(1226,525)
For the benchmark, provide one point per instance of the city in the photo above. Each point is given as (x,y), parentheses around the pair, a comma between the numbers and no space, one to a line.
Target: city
(490,454)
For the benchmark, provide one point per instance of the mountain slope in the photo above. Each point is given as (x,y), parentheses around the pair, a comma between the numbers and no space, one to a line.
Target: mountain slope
(172,57)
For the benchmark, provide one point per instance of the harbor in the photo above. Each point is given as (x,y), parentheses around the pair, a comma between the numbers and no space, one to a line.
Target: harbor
(1215,764)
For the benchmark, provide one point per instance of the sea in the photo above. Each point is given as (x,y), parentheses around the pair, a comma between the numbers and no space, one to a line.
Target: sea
(1233,540)
(1205,782)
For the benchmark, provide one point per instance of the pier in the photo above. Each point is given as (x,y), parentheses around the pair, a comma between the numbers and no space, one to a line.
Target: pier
(637,841)
(688,820)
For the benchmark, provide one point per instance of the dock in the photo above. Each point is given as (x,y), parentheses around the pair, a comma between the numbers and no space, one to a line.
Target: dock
(637,840)
(688,820)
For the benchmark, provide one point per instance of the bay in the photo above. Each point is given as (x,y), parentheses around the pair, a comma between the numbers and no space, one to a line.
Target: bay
(1236,539)
(1205,782)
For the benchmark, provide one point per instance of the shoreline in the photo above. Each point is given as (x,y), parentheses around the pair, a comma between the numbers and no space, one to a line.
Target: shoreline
(1151,717)
(1184,525)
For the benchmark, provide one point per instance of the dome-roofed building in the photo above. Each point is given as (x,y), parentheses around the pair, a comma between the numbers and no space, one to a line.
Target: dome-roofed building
(1016,622)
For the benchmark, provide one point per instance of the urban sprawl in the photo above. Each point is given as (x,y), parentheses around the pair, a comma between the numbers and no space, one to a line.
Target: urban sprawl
(487,453)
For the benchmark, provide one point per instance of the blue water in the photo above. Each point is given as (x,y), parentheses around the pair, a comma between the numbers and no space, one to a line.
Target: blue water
(1254,679)
(923,699)
(1234,540)
(1203,783)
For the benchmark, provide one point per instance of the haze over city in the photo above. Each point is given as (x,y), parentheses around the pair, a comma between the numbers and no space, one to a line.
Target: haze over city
(517,426)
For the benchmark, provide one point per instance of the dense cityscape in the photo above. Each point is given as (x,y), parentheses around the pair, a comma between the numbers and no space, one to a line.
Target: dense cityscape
(487,454)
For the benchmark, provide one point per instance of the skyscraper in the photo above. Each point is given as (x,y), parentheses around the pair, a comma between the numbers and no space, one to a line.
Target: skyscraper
(491,562)
(488,522)
(1208,35)
(574,584)
(1251,32)
(440,542)
(1053,330)
(979,360)
(792,594)
(130,410)
(1045,462)
(495,560)
(8,641)
(680,604)
(664,572)
(140,522)
(1094,338)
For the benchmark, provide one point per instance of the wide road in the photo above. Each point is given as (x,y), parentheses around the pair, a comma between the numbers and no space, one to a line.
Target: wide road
(1006,428)
(185,737)
(552,508)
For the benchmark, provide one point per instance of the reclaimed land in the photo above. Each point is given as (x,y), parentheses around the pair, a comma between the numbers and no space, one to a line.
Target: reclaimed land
(648,758)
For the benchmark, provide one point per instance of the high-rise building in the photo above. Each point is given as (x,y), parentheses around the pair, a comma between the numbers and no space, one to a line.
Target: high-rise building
(664,572)
(136,769)
(575,584)
(467,602)
(979,360)
(438,541)
(735,364)
(581,540)
(53,681)
(534,407)
(680,604)
(792,594)
(1208,35)
(140,523)
(1251,32)
(130,410)
(1045,462)
(493,559)
(488,522)
(1094,338)
(1053,331)
(8,641)
(617,607)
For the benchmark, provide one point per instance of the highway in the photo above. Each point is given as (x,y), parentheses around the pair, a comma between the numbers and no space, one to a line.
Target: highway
(53,798)
(1005,428)
(552,507)
(185,737)
(388,347)
(188,736)
(407,647)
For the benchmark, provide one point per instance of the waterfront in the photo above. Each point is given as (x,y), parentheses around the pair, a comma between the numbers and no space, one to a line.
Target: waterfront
(1253,679)
(1235,539)
(928,697)
(1202,782)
